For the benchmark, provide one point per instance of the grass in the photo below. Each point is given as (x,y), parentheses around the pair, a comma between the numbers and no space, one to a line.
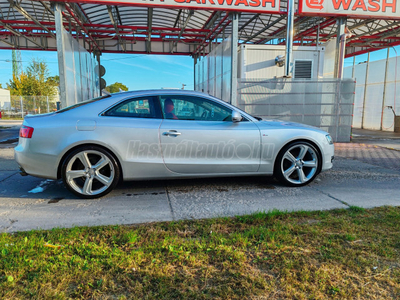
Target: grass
(340,254)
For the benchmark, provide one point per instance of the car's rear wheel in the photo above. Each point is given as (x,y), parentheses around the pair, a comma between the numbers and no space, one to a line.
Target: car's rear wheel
(297,164)
(90,172)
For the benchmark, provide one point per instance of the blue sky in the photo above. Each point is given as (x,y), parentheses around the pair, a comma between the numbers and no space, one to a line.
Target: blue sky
(143,71)
(135,71)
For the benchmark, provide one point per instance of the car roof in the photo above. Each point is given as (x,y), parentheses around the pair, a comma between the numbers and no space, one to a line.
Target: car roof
(158,92)
(163,92)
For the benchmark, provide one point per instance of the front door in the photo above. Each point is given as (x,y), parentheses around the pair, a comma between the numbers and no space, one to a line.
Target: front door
(198,137)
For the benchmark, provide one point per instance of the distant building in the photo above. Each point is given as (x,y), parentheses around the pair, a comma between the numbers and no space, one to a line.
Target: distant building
(5,101)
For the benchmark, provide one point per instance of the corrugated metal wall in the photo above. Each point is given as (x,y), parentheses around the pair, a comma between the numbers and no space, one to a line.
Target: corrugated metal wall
(377,99)
(213,72)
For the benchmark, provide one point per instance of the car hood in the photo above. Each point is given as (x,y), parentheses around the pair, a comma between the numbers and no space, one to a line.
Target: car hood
(279,124)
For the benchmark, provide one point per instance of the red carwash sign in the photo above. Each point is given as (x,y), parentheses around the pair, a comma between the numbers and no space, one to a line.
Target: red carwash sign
(261,6)
(388,9)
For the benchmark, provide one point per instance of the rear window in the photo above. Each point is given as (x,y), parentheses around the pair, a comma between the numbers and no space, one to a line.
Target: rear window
(82,103)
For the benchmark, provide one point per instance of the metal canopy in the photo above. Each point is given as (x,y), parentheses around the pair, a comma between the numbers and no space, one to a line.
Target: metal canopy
(30,25)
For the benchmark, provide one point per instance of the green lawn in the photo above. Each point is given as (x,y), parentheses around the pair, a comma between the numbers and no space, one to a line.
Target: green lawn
(340,254)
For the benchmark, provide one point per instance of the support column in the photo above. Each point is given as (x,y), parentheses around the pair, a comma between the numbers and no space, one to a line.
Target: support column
(222,65)
(58,8)
(384,85)
(289,39)
(195,71)
(98,54)
(234,54)
(339,56)
(215,65)
(365,92)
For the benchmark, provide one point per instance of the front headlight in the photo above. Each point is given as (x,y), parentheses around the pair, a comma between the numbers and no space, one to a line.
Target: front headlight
(329,139)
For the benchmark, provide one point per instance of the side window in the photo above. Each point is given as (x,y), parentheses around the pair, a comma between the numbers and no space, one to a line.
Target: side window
(193,108)
(143,107)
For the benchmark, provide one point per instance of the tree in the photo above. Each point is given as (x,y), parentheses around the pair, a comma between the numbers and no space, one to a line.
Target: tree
(34,82)
(55,80)
(34,85)
(114,88)
(1,86)
(21,85)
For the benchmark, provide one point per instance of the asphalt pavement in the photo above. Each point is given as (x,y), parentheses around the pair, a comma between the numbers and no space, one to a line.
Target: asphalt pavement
(9,131)
(364,175)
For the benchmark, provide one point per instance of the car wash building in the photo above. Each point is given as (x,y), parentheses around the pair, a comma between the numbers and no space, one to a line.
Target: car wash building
(271,58)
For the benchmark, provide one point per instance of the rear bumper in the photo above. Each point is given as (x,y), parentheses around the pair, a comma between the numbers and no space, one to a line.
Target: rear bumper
(33,163)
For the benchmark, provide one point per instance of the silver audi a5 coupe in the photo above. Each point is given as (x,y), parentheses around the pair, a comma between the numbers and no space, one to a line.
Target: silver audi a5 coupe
(161,134)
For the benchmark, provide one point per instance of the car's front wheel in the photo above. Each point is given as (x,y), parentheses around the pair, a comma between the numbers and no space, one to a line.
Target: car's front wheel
(90,172)
(297,164)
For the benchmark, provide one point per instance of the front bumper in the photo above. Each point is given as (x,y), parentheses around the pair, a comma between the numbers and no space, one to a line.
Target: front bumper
(329,155)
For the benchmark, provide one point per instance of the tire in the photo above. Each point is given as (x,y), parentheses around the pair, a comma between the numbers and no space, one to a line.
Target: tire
(297,164)
(90,172)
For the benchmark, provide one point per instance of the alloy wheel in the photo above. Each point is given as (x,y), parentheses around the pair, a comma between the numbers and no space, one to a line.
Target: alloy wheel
(89,172)
(299,164)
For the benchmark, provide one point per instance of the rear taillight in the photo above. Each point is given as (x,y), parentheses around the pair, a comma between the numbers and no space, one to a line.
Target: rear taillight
(26,132)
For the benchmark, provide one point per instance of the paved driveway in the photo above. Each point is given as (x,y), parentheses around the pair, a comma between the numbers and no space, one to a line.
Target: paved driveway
(29,203)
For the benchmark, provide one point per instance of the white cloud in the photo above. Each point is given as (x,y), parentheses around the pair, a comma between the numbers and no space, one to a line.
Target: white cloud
(172,60)
(134,65)
(173,74)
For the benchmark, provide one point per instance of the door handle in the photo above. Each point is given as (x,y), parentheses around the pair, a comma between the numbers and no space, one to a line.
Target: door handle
(171,133)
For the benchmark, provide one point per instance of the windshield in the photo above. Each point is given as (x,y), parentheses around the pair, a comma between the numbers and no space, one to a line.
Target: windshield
(240,110)
(82,103)
(257,118)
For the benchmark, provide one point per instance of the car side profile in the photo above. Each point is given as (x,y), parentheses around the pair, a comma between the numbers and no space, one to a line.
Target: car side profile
(161,134)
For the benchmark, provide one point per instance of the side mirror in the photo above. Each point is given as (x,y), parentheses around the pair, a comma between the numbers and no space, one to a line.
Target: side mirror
(236,117)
